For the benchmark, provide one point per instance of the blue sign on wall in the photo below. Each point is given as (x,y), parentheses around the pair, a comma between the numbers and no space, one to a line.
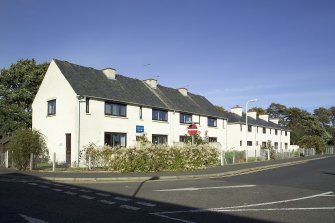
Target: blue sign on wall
(139,129)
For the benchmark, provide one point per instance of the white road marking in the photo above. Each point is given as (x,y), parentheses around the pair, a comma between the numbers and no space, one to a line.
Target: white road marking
(43,186)
(84,190)
(58,185)
(122,199)
(102,194)
(171,218)
(86,197)
(130,207)
(58,190)
(203,188)
(34,184)
(146,204)
(242,206)
(70,193)
(32,220)
(106,202)
(278,209)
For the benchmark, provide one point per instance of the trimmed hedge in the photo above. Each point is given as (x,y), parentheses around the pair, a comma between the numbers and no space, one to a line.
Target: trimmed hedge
(151,158)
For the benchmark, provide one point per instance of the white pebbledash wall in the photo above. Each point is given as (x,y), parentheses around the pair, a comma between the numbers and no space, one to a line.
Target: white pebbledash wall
(90,127)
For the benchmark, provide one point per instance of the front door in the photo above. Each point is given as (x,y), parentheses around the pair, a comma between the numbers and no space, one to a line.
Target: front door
(68,149)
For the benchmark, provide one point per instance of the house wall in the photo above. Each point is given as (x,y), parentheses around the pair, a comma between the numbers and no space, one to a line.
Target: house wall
(55,86)
(96,123)
(235,135)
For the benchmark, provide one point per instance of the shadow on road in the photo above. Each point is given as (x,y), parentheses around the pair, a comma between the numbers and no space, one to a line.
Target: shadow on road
(59,202)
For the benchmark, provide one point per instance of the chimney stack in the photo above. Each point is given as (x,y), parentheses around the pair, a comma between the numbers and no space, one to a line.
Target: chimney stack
(110,73)
(237,110)
(183,91)
(152,83)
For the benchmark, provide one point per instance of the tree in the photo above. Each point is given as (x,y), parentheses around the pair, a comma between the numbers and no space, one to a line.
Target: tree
(219,108)
(18,87)
(278,111)
(324,115)
(313,142)
(332,110)
(23,143)
(258,110)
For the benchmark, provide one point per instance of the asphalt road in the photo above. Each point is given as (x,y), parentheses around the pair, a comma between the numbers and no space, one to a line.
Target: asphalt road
(298,193)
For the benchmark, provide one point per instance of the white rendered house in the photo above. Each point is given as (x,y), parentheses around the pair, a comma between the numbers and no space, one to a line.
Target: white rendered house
(77,105)
(260,130)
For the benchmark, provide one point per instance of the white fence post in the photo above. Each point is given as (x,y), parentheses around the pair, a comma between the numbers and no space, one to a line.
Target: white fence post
(7,159)
(31,161)
(222,157)
(234,157)
(246,155)
(54,162)
(268,154)
(89,162)
(255,155)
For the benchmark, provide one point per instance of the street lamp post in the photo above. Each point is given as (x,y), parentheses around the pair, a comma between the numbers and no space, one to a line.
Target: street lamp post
(246,127)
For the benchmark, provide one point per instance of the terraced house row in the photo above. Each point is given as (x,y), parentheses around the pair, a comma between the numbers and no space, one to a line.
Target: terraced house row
(78,105)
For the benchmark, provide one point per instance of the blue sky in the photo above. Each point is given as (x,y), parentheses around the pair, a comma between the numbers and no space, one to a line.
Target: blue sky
(229,51)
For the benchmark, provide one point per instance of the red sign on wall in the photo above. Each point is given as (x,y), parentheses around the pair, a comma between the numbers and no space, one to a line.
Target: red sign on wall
(192,129)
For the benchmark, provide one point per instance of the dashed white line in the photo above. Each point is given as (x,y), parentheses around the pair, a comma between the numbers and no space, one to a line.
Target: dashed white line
(106,202)
(87,197)
(122,199)
(84,190)
(130,207)
(43,186)
(32,220)
(102,194)
(34,184)
(58,190)
(203,188)
(58,185)
(146,204)
(70,193)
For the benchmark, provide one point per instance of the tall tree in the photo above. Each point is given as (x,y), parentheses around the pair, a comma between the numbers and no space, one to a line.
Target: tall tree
(258,110)
(18,87)
(278,111)
(324,115)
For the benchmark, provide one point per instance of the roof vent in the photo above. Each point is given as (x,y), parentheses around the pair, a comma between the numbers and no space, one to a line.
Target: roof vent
(183,91)
(110,73)
(237,110)
(152,83)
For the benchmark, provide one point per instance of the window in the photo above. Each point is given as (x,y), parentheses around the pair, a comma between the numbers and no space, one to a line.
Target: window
(159,115)
(241,127)
(159,139)
(286,145)
(115,109)
(240,142)
(276,132)
(249,128)
(264,130)
(87,105)
(140,113)
(182,139)
(270,131)
(116,139)
(212,139)
(285,133)
(249,143)
(263,144)
(185,118)
(276,145)
(212,122)
(52,107)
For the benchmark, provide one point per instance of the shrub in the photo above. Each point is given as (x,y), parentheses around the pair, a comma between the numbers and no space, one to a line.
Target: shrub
(313,142)
(151,158)
(23,143)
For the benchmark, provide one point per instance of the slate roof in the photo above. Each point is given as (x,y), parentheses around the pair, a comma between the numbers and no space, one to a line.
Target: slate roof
(234,118)
(93,83)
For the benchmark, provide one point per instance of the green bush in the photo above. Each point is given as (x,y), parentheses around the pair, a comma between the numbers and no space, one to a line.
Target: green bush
(23,143)
(313,142)
(151,158)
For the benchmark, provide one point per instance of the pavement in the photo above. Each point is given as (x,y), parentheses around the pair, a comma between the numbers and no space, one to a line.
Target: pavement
(105,176)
